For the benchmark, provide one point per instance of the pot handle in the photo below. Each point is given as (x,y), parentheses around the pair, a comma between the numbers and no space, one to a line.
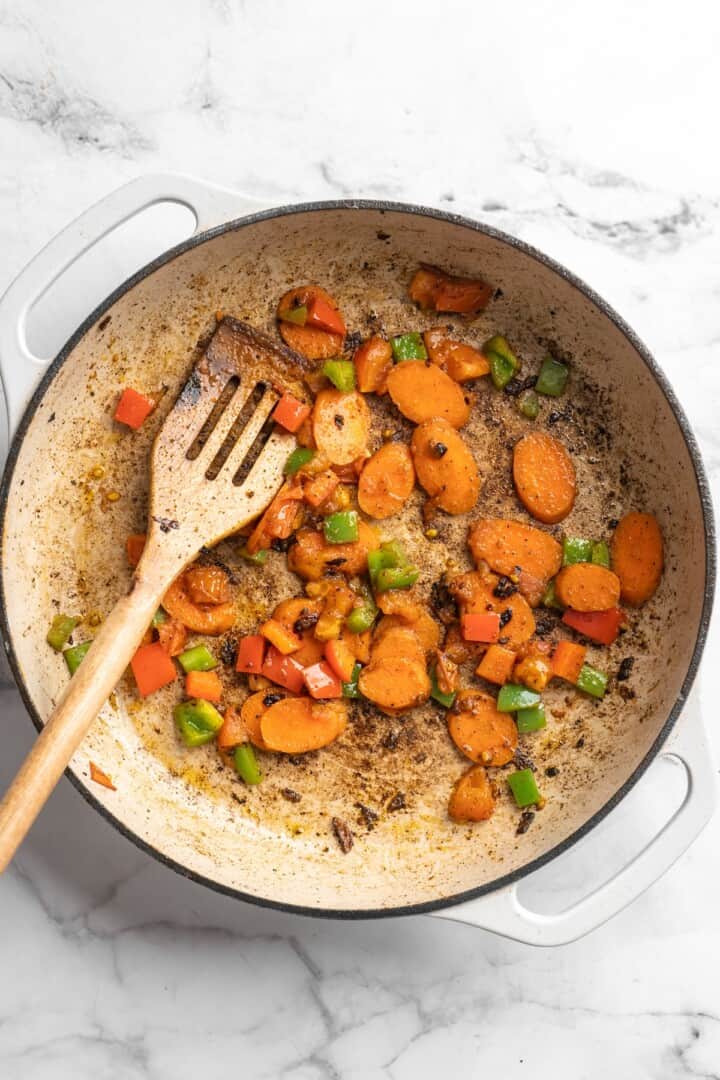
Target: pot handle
(504,914)
(20,370)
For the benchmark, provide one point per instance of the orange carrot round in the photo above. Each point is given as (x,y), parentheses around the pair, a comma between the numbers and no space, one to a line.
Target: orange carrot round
(373,363)
(395,684)
(386,481)
(341,425)
(252,711)
(481,732)
(586,587)
(311,554)
(637,557)
(310,341)
(422,391)
(296,725)
(472,797)
(509,546)
(202,618)
(445,467)
(461,362)
(422,624)
(544,477)
(392,640)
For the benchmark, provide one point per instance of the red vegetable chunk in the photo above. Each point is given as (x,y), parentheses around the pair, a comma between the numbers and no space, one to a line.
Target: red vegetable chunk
(600,626)
(322,682)
(283,670)
(251,653)
(290,413)
(481,627)
(152,668)
(133,408)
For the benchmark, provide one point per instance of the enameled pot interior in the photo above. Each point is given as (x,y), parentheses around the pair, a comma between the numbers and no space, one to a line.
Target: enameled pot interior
(63,550)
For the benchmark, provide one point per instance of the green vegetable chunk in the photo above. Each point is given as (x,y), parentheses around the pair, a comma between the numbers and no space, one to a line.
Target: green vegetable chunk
(591,681)
(350,689)
(576,550)
(246,764)
(553,377)
(503,361)
(600,554)
(198,658)
(259,558)
(549,597)
(528,404)
(197,721)
(342,527)
(297,315)
(524,788)
(362,617)
(439,695)
(341,374)
(513,696)
(75,656)
(408,347)
(158,618)
(300,456)
(60,630)
(396,577)
(531,719)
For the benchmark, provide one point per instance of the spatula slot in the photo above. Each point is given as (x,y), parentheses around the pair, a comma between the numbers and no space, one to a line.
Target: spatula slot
(239,425)
(254,451)
(196,446)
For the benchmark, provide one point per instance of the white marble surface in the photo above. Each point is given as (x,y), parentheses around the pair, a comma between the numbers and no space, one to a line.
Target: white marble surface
(589,131)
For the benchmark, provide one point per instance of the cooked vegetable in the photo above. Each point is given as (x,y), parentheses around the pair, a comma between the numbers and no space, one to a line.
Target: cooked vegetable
(461,362)
(311,553)
(497,665)
(321,681)
(341,528)
(246,764)
(341,425)
(472,797)
(75,656)
(284,640)
(282,517)
(250,654)
(568,660)
(158,619)
(202,618)
(481,626)
(476,592)
(532,719)
(283,670)
(576,550)
(512,697)
(299,616)
(340,658)
(323,314)
(591,681)
(443,698)
(61,630)
(373,362)
(297,315)
(320,488)
(197,722)
(423,392)
(408,347)
(390,556)
(252,711)
(350,688)
(507,546)
(258,558)
(600,554)
(553,377)
(290,413)
(101,777)
(152,668)
(637,557)
(311,336)
(297,725)
(393,641)
(396,577)
(586,587)
(203,684)
(480,730)
(233,731)
(387,481)
(300,456)
(341,374)
(207,585)
(198,658)
(524,787)
(445,467)
(600,626)
(395,684)
(503,361)
(528,404)
(415,618)
(134,546)
(362,616)
(534,671)
(172,635)
(550,599)
(448,293)
(544,477)
(133,409)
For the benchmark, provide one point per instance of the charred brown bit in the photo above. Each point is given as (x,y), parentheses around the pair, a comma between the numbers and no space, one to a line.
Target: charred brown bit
(290,794)
(228,651)
(397,802)
(443,603)
(625,669)
(526,819)
(504,588)
(271,699)
(369,816)
(552,770)
(391,740)
(305,620)
(343,834)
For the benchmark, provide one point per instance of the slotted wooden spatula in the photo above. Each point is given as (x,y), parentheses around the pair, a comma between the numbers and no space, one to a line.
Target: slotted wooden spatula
(215,465)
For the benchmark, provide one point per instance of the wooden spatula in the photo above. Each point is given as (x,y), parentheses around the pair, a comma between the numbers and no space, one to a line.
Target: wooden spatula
(215,465)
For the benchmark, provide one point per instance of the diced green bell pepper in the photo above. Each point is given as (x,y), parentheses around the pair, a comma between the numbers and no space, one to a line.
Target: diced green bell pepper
(350,689)
(60,630)
(550,598)
(362,617)
(197,721)
(439,695)
(158,618)
(524,787)
(528,404)
(341,374)
(513,696)
(300,456)
(531,719)
(259,558)
(342,527)
(553,377)
(591,681)
(576,550)
(199,658)
(246,764)
(396,577)
(503,361)
(297,315)
(408,347)
(75,656)
(600,554)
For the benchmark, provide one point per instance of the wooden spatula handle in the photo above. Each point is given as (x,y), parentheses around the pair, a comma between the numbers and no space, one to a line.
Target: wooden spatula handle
(106,660)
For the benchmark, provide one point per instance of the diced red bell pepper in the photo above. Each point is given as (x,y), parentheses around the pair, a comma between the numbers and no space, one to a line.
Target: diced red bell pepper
(283,670)
(321,681)
(601,626)
(152,668)
(250,655)
(481,626)
(340,658)
(133,408)
(290,413)
(324,317)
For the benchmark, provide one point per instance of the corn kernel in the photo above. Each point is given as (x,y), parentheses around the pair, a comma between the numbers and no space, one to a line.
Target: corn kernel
(486,757)
(431,534)
(97,472)
(112,496)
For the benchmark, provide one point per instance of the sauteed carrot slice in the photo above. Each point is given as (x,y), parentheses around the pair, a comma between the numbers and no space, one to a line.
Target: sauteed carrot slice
(207,585)
(510,546)
(544,477)
(433,288)
(461,362)
(472,797)
(310,323)
(341,425)
(637,557)
(202,618)
(251,713)
(373,362)
(395,684)
(172,635)
(392,640)
(445,467)
(422,391)
(386,481)
(586,587)
(476,592)
(480,731)
(296,725)
(422,625)
(311,555)
(299,615)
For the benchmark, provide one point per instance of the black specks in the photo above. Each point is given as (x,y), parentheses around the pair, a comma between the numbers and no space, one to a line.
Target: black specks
(271,698)
(282,544)
(526,819)
(352,342)
(625,669)
(505,617)
(166,524)
(305,620)
(504,588)
(343,834)
(391,740)
(440,449)
(580,743)
(228,651)
(339,420)
(381,235)
(103,323)
(367,815)
(397,802)
(613,523)
(290,794)
(552,770)
(51,418)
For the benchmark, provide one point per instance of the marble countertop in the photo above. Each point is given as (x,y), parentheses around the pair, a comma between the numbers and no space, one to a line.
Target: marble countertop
(588,135)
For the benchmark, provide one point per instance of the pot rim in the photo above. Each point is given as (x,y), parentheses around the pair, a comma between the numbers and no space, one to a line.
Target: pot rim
(382,206)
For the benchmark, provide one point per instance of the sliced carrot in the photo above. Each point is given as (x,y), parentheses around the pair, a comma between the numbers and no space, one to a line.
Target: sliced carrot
(497,665)
(285,641)
(433,288)
(251,713)
(292,614)
(395,684)
(172,635)
(586,587)
(311,555)
(460,361)
(233,731)
(475,593)
(202,618)
(421,623)
(134,546)
(444,466)
(296,725)
(101,777)
(152,668)
(387,481)
(317,489)
(472,797)
(422,391)
(373,363)
(480,731)
(511,546)
(567,660)
(203,684)
(392,641)
(637,557)
(340,658)
(358,644)
(207,585)
(544,477)
(282,517)
(310,341)
(341,425)
(133,408)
